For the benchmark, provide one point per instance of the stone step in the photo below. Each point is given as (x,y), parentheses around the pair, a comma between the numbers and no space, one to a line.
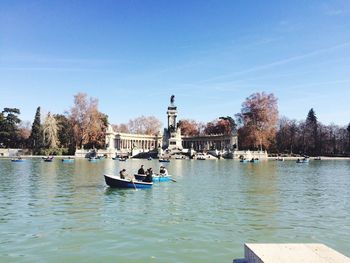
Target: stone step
(291,253)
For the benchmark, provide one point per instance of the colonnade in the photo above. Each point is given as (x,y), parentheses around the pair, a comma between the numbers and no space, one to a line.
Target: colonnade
(206,144)
(145,144)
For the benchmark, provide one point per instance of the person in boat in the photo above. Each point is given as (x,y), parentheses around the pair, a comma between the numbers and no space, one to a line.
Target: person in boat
(141,170)
(123,174)
(149,175)
(163,171)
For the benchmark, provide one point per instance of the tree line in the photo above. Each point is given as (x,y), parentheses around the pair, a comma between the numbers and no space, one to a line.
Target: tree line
(258,126)
(83,126)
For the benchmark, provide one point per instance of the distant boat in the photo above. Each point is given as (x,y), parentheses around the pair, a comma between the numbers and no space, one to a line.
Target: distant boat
(150,158)
(256,160)
(93,159)
(164,160)
(244,161)
(304,160)
(116,182)
(281,159)
(68,160)
(201,157)
(18,160)
(318,158)
(122,159)
(48,159)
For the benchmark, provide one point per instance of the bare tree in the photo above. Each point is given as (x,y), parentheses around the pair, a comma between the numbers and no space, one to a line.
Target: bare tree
(259,115)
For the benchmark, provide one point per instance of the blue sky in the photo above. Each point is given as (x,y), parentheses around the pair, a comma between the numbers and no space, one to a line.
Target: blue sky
(133,55)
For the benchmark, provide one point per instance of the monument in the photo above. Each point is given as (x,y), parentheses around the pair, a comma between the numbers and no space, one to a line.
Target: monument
(172,134)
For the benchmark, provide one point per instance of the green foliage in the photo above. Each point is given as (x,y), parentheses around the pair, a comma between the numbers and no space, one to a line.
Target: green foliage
(55,151)
(36,137)
(65,132)
(9,127)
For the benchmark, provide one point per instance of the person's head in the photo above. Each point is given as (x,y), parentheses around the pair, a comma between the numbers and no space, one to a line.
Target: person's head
(141,165)
(123,170)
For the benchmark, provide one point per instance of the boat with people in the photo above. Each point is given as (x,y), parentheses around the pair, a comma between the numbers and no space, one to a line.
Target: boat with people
(68,160)
(244,160)
(254,160)
(281,159)
(155,178)
(116,182)
(201,157)
(48,159)
(18,160)
(303,160)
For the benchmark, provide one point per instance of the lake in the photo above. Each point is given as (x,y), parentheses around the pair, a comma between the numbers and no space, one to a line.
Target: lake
(57,212)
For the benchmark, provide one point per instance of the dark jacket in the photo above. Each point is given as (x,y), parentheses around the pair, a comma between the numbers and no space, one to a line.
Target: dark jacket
(141,171)
(149,177)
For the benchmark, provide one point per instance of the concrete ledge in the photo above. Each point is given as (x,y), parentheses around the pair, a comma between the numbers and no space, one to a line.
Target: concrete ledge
(292,253)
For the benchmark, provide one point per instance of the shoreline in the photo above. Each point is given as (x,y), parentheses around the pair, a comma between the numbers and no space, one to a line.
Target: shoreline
(292,158)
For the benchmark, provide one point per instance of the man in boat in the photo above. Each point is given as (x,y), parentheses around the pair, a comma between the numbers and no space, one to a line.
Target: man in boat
(123,174)
(149,175)
(141,170)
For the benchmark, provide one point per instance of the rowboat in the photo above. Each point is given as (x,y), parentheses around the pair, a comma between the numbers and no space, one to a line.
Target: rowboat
(256,160)
(18,160)
(164,160)
(244,161)
(69,160)
(155,178)
(48,159)
(116,182)
(304,160)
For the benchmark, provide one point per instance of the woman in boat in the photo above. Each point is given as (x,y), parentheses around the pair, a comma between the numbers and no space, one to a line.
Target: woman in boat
(141,170)
(149,175)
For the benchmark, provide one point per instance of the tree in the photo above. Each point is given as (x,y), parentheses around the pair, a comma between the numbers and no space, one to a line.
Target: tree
(88,123)
(259,115)
(65,132)
(121,128)
(24,133)
(348,130)
(219,126)
(50,132)
(9,127)
(189,127)
(36,136)
(311,134)
(144,125)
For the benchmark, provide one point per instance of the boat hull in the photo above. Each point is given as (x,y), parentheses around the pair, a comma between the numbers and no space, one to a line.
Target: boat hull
(67,160)
(117,182)
(155,178)
(18,160)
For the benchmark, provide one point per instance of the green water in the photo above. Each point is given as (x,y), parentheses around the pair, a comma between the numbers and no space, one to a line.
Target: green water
(56,212)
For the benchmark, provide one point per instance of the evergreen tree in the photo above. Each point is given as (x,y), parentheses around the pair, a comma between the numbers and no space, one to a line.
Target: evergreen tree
(348,129)
(311,134)
(9,127)
(36,137)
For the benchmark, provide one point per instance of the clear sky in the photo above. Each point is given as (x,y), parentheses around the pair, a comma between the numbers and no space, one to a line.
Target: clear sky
(133,55)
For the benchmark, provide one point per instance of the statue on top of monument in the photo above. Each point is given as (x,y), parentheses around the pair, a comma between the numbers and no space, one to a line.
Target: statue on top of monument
(172,99)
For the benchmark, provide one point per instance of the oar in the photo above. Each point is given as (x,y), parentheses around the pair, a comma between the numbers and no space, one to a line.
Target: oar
(173,180)
(134,184)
